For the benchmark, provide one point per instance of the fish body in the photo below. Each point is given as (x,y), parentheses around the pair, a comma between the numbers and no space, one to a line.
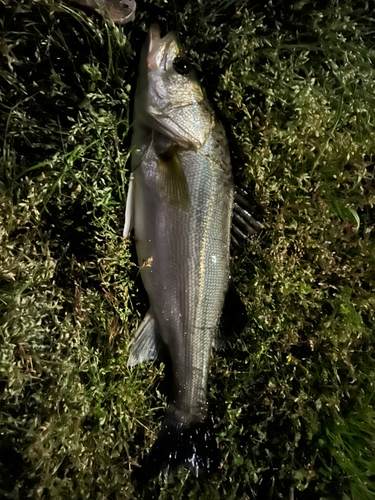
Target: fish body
(180,205)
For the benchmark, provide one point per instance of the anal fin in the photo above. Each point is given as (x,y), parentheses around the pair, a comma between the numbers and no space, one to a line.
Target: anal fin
(146,343)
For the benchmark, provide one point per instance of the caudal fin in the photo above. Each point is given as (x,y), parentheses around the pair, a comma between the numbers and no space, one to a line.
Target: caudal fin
(181,445)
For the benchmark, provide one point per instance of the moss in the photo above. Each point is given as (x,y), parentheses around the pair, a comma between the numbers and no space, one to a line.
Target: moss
(293,395)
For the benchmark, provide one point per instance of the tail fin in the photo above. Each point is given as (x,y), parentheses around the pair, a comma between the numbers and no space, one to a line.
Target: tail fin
(181,445)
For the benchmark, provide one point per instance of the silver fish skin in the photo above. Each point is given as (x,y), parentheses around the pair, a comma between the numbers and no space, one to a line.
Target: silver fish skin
(180,205)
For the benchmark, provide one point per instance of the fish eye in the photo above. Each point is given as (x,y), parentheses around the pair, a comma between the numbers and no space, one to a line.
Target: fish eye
(181,65)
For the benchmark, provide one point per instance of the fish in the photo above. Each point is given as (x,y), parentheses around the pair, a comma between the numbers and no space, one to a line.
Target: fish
(179,203)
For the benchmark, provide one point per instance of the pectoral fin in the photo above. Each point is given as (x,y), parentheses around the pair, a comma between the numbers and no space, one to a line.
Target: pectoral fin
(146,344)
(172,180)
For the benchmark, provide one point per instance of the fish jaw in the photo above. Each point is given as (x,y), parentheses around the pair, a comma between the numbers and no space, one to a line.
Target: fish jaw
(170,103)
(159,49)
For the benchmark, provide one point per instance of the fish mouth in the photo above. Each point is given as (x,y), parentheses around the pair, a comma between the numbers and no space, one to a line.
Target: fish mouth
(158,47)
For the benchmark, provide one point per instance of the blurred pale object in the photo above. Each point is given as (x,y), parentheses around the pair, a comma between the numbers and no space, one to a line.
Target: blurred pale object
(119,11)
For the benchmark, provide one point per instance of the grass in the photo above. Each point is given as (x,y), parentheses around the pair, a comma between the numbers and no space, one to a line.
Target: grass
(293,396)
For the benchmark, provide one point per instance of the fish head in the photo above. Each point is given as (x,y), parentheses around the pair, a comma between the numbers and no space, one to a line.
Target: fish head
(175,103)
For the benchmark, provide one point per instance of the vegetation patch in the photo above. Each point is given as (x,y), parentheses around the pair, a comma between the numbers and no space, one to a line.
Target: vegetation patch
(293,395)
